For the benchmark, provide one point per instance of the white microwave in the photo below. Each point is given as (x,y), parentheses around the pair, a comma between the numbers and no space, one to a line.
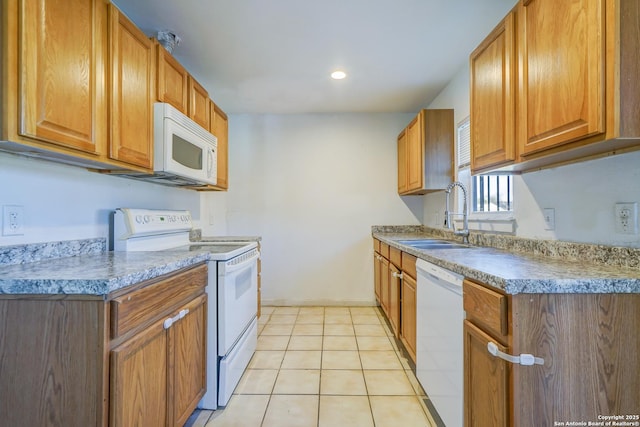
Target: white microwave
(184,152)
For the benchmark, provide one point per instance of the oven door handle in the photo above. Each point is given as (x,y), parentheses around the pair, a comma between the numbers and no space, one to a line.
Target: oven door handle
(242,261)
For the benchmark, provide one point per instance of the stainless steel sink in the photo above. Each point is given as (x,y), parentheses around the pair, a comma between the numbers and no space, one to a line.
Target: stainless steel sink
(433,244)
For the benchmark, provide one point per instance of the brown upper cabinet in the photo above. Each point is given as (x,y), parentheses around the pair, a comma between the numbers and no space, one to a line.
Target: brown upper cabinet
(219,127)
(199,109)
(493,78)
(77,85)
(173,81)
(132,91)
(56,75)
(425,153)
(576,85)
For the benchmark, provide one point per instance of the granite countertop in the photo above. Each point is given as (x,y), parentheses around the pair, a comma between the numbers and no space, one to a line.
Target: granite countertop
(93,273)
(518,272)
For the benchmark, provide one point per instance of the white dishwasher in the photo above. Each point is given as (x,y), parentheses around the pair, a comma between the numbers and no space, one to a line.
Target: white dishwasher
(439,340)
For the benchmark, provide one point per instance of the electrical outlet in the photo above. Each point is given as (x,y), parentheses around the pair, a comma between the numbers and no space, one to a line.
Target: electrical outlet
(549,218)
(12,220)
(626,218)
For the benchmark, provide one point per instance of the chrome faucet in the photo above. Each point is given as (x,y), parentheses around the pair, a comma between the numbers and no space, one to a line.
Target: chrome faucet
(447,214)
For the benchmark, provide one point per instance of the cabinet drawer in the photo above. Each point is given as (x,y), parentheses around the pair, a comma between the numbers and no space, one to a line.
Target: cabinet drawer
(395,256)
(409,264)
(384,250)
(144,305)
(485,307)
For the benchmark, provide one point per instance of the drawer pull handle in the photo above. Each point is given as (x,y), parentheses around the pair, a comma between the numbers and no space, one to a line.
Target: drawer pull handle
(398,275)
(524,359)
(171,320)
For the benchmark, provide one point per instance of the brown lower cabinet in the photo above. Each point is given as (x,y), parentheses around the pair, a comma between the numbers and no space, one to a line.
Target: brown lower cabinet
(590,347)
(136,358)
(395,290)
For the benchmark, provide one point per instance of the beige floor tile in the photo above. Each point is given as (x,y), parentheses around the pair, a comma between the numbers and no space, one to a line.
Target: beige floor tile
(260,329)
(304,319)
(243,410)
(388,383)
(297,381)
(339,343)
(273,342)
(363,310)
(393,411)
(341,360)
(311,310)
(365,319)
(302,359)
(347,411)
(286,310)
(374,343)
(380,360)
(415,383)
(292,411)
(263,320)
(342,382)
(305,342)
(266,359)
(337,319)
(308,329)
(283,319)
(257,381)
(369,330)
(266,309)
(271,329)
(341,329)
(337,310)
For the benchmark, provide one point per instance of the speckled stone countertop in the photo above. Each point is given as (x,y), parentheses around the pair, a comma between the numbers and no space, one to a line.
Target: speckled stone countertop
(84,267)
(518,272)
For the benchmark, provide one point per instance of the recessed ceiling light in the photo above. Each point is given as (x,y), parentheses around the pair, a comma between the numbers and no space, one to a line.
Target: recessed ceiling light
(338,75)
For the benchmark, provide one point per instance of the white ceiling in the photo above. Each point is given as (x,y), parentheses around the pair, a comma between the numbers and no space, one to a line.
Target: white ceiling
(275,56)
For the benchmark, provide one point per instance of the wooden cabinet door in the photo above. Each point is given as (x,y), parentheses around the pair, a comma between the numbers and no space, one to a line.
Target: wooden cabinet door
(188,353)
(402,162)
(172,81)
(219,127)
(415,154)
(199,103)
(62,77)
(139,380)
(486,381)
(377,276)
(562,53)
(493,78)
(408,311)
(132,92)
(384,285)
(395,283)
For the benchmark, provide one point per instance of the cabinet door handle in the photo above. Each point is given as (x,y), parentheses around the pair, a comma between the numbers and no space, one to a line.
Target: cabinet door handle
(398,275)
(171,320)
(524,359)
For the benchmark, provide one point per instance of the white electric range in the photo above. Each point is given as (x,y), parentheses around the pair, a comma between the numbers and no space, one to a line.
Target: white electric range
(232,326)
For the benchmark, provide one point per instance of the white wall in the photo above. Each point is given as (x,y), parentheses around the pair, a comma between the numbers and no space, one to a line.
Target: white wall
(312,186)
(65,203)
(582,194)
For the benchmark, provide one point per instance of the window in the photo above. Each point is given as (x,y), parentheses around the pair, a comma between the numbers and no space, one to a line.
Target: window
(489,193)
(492,193)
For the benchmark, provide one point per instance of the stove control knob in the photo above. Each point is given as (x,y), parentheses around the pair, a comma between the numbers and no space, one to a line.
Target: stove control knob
(146,219)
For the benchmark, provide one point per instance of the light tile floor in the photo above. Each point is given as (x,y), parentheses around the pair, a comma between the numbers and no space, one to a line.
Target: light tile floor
(323,366)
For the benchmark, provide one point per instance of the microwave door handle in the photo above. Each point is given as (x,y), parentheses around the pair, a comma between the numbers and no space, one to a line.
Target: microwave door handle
(209,162)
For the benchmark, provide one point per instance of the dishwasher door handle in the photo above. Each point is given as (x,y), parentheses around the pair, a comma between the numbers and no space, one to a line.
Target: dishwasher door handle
(524,359)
